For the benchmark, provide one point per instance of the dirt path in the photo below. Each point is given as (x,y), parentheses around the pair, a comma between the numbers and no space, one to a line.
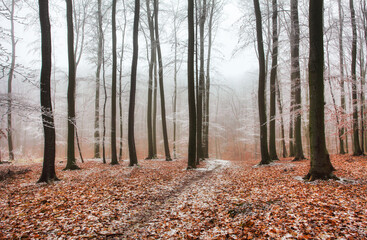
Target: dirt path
(197,191)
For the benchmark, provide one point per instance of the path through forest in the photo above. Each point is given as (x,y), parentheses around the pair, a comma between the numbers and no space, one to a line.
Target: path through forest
(162,200)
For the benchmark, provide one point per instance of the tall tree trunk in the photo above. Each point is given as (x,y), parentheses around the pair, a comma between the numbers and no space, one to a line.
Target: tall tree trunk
(114,83)
(48,170)
(161,86)
(362,98)
(134,65)
(155,93)
(120,80)
(207,87)
(10,82)
(150,83)
(175,86)
(104,107)
(321,167)
(273,75)
(342,94)
(265,158)
(71,161)
(296,80)
(281,118)
(357,151)
(98,80)
(191,163)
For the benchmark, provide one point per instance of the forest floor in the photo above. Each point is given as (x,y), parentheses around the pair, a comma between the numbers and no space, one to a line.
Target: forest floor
(162,200)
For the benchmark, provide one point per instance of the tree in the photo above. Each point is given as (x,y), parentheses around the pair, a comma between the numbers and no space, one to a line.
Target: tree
(191,163)
(134,65)
(10,81)
(273,76)
(48,169)
(265,158)
(98,81)
(296,79)
(71,161)
(114,80)
(321,167)
(357,151)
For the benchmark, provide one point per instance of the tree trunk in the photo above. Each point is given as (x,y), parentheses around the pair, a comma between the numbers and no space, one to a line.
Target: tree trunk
(281,118)
(273,76)
(296,80)
(48,169)
(71,161)
(134,65)
(265,158)
(98,80)
(191,163)
(321,167)
(357,151)
(114,83)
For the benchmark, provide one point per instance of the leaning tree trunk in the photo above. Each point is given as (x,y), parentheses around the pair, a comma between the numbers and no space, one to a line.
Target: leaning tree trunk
(273,76)
(10,82)
(134,65)
(161,86)
(321,167)
(191,163)
(48,169)
(114,83)
(357,151)
(71,161)
(296,79)
(265,158)
(98,80)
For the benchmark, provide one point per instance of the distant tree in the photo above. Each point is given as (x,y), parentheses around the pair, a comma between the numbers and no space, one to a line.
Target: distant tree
(161,84)
(191,163)
(296,79)
(114,83)
(273,76)
(284,152)
(321,167)
(71,161)
(48,169)
(134,65)
(265,158)
(357,151)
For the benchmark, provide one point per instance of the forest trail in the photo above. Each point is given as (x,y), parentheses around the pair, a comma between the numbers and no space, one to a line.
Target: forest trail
(199,189)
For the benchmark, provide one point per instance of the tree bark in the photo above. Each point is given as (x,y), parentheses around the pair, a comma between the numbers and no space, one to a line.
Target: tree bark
(265,158)
(284,153)
(357,151)
(321,167)
(273,76)
(191,163)
(71,161)
(134,65)
(114,88)
(296,80)
(48,170)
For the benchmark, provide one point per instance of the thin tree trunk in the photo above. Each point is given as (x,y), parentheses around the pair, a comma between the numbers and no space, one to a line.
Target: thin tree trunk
(357,148)
(273,76)
(161,86)
(71,161)
(265,158)
(342,94)
(134,65)
(281,118)
(114,160)
(191,163)
(320,167)
(155,90)
(10,82)
(175,87)
(48,170)
(104,107)
(296,80)
(98,80)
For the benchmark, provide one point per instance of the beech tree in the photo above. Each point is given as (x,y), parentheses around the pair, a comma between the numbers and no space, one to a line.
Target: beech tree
(134,65)
(265,158)
(320,167)
(71,161)
(48,170)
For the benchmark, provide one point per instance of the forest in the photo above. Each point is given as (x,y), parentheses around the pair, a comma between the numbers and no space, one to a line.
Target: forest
(197,119)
